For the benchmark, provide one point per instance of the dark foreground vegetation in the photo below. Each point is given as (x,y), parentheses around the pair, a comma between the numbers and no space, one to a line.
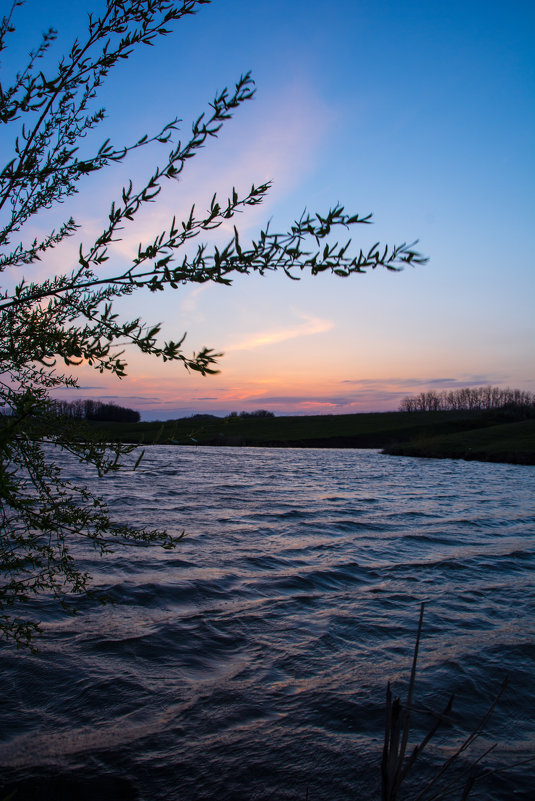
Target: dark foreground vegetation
(497,435)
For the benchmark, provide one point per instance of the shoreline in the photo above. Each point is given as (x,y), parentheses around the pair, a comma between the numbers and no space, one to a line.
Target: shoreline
(470,436)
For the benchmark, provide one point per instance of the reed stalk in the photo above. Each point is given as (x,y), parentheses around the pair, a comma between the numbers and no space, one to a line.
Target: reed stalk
(395,765)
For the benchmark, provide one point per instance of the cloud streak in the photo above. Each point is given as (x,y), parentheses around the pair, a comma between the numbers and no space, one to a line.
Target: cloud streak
(277,141)
(419,383)
(310,326)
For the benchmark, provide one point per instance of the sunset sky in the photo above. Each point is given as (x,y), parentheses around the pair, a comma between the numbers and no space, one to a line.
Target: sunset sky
(421,112)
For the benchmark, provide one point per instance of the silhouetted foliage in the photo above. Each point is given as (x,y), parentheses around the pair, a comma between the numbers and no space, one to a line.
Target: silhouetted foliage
(97,411)
(257,413)
(470,398)
(50,325)
(451,780)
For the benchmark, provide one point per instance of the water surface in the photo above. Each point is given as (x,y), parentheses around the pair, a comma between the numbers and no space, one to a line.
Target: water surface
(252,661)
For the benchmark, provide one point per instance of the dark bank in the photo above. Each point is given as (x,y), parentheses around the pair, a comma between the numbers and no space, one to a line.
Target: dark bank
(494,436)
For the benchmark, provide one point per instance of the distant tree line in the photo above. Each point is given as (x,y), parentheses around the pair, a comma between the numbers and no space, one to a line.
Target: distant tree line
(257,413)
(96,411)
(467,398)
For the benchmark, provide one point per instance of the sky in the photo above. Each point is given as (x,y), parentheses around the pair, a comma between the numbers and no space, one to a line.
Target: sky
(420,112)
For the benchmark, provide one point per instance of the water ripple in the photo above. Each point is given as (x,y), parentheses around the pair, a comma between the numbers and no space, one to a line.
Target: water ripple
(252,661)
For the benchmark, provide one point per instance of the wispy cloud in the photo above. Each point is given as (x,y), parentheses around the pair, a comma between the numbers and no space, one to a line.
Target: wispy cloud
(275,140)
(190,303)
(329,400)
(309,326)
(419,383)
(77,389)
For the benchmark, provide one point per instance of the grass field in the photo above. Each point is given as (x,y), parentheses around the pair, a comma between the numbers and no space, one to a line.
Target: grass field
(509,442)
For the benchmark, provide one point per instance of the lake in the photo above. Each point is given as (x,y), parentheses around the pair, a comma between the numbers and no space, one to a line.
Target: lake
(252,661)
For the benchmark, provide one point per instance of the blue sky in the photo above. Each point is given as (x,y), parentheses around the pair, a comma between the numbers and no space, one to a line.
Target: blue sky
(420,112)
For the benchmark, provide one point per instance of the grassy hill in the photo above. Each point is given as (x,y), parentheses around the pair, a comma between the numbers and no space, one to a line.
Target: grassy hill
(509,442)
(466,435)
